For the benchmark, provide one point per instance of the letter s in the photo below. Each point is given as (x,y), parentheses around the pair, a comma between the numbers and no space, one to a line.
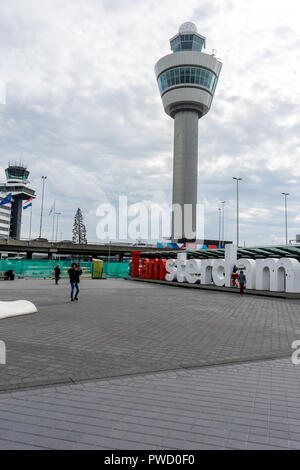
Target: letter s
(171,269)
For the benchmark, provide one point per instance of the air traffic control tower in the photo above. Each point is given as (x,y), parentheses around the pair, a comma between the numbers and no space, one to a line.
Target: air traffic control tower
(187,81)
(17,184)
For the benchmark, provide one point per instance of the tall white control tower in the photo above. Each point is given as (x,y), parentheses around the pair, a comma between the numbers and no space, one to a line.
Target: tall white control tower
(187,81)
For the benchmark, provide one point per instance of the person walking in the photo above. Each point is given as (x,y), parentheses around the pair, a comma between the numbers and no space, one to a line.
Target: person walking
(234,277)
(57,273)
(74,274)
(242,282)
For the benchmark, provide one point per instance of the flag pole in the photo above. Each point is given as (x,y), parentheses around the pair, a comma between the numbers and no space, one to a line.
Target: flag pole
(53,210)
(30,223)
(53,227)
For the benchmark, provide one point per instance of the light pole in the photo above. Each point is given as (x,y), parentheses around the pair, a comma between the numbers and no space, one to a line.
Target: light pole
(220,218)
(286,223)
(237,208)
(223,221)
(57,215)
(42,206)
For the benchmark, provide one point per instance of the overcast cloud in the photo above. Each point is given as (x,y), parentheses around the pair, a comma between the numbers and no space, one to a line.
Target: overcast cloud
(83,107)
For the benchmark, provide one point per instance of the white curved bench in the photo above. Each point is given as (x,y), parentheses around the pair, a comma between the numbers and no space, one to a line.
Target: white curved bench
(15,308)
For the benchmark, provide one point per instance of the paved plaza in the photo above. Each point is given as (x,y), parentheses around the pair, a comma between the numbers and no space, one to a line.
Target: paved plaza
(246,406)
(144,366)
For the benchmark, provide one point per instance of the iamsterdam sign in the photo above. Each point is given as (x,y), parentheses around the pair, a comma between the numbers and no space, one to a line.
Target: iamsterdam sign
(276,275)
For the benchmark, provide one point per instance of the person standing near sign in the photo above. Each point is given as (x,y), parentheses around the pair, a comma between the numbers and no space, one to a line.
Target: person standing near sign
(242,282)
(57,273)
(234,277)
(74,274)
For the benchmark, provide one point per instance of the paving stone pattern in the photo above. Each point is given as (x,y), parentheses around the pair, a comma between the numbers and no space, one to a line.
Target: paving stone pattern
(122,327)
(242,406)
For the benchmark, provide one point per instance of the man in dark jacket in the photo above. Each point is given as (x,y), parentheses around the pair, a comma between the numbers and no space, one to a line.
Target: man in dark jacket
(242,282)
(74,274)
(9,275)
(57,273)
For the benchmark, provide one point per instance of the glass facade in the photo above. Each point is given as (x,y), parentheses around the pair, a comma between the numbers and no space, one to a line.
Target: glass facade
(191,75)
(187,42)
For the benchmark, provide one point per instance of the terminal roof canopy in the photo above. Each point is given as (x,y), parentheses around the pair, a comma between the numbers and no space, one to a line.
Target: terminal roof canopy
(288,251)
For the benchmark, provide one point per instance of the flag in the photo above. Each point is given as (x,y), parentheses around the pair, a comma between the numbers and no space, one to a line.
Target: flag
(52,208)
(27,203)
(6,199)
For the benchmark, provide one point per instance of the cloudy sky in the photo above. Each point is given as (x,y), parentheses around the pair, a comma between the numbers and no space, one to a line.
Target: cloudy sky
(83,107)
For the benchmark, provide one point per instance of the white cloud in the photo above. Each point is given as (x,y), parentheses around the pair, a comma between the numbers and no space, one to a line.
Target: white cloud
(83,106)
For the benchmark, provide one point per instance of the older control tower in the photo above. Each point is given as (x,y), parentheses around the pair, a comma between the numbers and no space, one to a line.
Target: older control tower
(187,80)
(17,184)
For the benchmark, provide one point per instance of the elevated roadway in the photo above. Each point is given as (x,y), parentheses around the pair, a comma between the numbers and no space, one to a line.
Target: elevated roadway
(61,248)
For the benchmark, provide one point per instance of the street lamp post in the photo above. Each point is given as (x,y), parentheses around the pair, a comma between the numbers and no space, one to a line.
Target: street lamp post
(42,206)
(286,221)
(223,222)
(237,209)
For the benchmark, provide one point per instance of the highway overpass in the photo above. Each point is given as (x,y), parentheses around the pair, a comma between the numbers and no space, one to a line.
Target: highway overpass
(74,250)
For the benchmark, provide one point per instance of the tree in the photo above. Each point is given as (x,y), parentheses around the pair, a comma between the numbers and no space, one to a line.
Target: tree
(79,230)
